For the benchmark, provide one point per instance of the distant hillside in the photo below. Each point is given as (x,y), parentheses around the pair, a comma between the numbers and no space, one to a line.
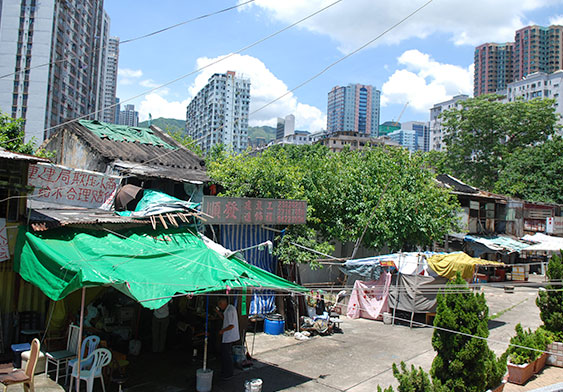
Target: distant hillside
(266,132)
(167,124)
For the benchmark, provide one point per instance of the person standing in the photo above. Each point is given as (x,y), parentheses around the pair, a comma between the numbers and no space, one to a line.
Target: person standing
(160,322)
(229,334)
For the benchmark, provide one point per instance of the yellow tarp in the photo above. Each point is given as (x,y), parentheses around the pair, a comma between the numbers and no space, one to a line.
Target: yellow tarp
(448,264)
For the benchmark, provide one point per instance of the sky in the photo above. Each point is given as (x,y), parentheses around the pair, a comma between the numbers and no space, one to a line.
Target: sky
(425,60)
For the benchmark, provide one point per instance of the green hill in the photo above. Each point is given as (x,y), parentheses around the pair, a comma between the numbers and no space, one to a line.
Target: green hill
(266,132)
(167,124)
(172,125)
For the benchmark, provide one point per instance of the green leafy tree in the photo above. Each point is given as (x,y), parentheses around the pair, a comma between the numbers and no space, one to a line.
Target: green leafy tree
(186,141)
(12,135)
(464,363)
(483,133)
(534,173)
(386,189)
(550,301)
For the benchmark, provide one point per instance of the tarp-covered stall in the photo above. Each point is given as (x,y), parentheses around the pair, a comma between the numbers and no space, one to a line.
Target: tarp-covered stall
(414,286)
(148,265)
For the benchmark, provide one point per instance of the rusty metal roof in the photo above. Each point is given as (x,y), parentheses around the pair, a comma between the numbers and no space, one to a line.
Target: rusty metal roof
(155,161)
(44,216)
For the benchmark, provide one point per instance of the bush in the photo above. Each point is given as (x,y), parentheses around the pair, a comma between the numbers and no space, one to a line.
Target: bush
(415,380)
(550,301)
(464,363)
(537,340)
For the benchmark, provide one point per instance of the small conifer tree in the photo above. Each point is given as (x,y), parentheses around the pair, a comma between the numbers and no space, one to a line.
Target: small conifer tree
(550,301)
(464,363)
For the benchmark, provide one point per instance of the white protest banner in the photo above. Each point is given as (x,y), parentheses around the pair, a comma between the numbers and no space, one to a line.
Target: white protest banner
(73,187)
(4,250)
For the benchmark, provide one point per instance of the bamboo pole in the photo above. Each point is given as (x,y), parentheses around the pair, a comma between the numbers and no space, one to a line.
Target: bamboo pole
(80,331)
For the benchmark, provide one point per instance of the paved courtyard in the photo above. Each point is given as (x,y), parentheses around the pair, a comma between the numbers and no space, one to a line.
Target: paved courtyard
(357,360)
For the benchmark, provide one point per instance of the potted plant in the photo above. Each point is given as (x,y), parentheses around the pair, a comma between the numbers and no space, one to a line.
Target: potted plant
(523,353)
(550,302)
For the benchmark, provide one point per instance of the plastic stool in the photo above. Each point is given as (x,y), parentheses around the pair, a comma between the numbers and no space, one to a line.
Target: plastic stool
(18,349)
(40,367)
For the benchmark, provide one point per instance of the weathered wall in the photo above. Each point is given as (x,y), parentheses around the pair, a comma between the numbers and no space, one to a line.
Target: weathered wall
(73,152)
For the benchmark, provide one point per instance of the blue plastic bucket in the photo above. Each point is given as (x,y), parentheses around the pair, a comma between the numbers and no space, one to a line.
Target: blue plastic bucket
(274,324)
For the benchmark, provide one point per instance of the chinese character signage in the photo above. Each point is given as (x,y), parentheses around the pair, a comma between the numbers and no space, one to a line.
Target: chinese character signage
(4,250)
(234,210)
(79,188)
(554,225)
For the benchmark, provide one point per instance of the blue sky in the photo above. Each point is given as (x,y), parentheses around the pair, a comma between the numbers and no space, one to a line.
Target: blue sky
(424,61)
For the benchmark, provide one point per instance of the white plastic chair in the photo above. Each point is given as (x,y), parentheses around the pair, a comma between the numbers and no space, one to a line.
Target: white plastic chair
(98,359)
(88,346)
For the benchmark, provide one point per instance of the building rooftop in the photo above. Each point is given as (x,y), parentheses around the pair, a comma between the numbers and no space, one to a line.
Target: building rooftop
(140,151)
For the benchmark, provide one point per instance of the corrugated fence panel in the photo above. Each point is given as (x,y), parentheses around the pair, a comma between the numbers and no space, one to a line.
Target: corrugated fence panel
(236,237)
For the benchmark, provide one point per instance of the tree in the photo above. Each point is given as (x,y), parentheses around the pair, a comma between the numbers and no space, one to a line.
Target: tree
(464,363)
(534,173)
(12,135)
(484,132)
(186,141)
(386,189)
(550,301)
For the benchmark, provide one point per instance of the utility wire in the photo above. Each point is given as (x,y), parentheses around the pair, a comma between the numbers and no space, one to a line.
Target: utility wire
(204,16)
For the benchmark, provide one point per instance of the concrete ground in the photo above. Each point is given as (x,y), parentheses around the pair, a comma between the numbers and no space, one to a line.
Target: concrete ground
(357,360)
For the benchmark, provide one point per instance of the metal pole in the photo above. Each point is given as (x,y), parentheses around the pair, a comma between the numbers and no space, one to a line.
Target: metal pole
(80,331)
(206,337)
(415,288)
(397,287)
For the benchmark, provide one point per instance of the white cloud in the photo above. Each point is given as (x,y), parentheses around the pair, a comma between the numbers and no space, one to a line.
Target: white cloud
(353,22)
(129,73)
(556,20)
(148,83)
(158,106)
(264,88)
(423,81)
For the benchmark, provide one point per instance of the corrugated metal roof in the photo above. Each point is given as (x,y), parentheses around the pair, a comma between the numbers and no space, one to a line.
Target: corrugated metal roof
(20,157)
(49,218)
(179,163)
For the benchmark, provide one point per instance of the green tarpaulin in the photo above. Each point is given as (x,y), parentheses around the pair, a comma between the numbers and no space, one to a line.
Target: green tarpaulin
(124,133)
(147,265)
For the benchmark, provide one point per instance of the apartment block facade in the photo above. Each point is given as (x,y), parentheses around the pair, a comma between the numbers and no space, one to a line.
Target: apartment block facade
(111,112)
(539,85)
(435,124)
(129,116)
(218,114)
(53,60)
(535,49)
(353,108)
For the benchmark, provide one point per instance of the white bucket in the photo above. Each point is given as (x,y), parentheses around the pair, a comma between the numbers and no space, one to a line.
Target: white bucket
(254,385)
(387,318)
(204,380)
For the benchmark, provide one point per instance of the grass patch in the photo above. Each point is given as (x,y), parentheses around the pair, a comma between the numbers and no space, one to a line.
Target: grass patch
(498,314)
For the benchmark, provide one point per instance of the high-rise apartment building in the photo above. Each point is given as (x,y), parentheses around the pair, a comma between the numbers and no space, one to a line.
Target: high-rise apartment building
(539,85)
(129,116)
(218,114)
(422,134)
(110,83)
(353,108)
(493,67)
(70,36)
(436,129)
(285,126)
(535,49)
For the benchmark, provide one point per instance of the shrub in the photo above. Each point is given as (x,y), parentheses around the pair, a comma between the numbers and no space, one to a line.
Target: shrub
(550,301)
(526,338)
(415,380)
(464,363)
